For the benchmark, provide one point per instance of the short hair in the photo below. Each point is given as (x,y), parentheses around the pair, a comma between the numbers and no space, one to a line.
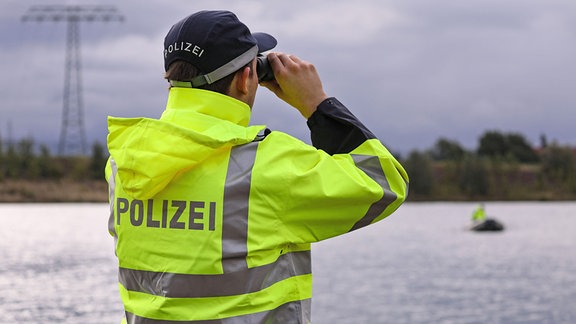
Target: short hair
(183,71)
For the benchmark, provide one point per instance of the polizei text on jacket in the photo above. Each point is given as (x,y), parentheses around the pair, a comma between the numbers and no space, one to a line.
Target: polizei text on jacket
(175,214)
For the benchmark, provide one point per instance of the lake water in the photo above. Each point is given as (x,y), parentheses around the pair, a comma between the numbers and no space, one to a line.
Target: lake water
(421,265)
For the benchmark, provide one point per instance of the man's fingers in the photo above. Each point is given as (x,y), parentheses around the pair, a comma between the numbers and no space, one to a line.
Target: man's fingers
(295,59)
(290,60)
(284,59)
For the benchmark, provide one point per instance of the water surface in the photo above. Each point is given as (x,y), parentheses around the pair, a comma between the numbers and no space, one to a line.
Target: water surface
(420,265)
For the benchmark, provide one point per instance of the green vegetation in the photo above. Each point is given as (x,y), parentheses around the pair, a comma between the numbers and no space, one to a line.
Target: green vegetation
(33,175)
(504,167)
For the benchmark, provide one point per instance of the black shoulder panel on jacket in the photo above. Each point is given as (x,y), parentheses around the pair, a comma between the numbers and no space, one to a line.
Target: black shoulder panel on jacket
(335,129)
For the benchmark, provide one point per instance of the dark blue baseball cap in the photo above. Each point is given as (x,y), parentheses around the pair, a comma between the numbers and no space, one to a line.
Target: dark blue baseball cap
(215,42)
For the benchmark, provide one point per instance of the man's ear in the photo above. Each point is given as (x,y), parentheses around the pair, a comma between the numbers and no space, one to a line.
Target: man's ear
(243,80)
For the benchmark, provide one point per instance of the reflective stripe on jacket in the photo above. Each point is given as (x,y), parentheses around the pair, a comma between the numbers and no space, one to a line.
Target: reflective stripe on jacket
(213,223)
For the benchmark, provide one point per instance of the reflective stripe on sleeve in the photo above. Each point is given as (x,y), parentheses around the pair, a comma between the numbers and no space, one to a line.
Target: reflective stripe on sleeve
(372,167)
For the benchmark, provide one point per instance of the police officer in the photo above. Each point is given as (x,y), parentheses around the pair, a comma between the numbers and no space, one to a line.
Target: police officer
(213,218)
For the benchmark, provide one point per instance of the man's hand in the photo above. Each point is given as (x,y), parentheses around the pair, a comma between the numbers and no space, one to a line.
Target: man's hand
(297,83)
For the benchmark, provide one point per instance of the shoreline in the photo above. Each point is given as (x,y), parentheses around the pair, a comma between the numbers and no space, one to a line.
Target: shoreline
(45,191)
(96,191)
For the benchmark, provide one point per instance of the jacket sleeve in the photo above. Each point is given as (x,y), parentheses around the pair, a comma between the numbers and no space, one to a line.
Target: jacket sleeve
(348,180)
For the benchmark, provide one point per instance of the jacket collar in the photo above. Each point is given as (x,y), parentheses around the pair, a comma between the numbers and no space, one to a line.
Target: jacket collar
(208,103)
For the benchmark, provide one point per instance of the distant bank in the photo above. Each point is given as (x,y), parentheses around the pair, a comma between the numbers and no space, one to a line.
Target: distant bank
(63,190)
(68,190)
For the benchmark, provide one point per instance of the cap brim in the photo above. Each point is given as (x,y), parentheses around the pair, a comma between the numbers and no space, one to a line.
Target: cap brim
(265,41)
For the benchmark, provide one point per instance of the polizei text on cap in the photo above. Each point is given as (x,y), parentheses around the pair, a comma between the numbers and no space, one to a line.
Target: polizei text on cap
(184,46)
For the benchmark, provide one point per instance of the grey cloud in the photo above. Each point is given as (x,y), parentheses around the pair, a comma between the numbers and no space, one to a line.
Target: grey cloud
(413,71)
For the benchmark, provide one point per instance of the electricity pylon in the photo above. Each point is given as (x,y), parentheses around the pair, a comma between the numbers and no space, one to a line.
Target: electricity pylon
(72,134)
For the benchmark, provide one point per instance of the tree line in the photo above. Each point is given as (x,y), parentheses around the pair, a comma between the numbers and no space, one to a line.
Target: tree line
(503,167)
(25,160)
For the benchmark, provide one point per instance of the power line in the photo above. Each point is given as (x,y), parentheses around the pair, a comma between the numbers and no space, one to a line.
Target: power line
(72,134)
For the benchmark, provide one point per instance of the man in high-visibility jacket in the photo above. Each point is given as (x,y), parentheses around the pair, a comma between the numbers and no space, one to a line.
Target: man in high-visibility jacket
(479,215)
(212,218)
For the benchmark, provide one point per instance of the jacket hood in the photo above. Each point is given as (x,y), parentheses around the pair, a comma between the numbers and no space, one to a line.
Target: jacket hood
(149,153)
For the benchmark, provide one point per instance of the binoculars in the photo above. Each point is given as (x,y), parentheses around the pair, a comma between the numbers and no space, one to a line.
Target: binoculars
(263,69)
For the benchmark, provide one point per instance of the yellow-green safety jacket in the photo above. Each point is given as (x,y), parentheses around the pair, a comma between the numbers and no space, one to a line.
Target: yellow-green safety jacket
(213,219)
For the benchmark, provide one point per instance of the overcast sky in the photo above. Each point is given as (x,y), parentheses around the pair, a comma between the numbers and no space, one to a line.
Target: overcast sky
(413,71)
